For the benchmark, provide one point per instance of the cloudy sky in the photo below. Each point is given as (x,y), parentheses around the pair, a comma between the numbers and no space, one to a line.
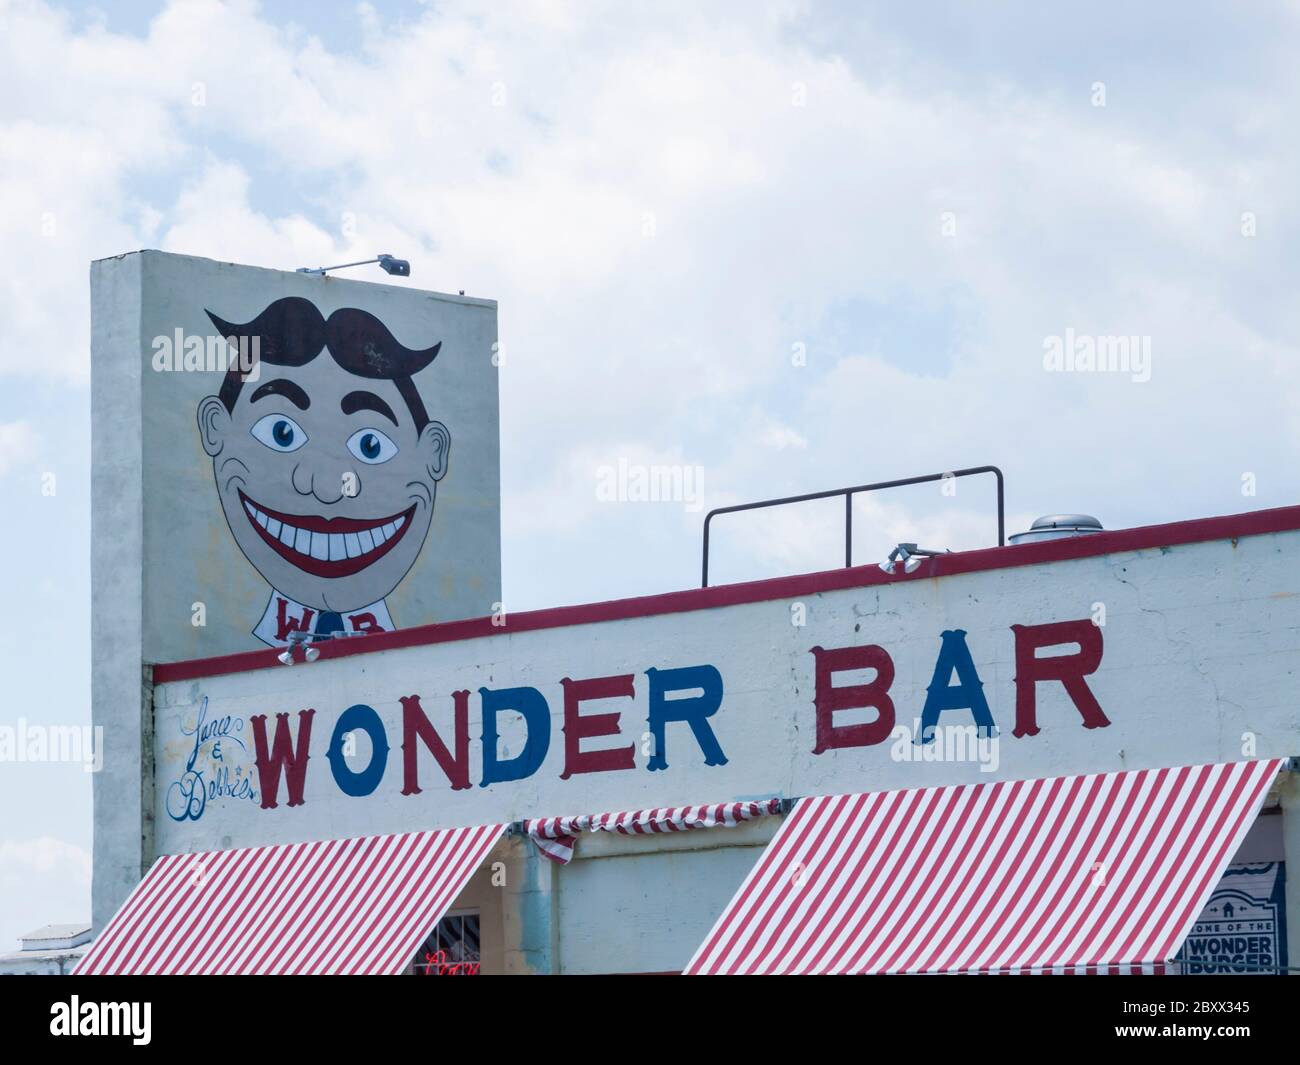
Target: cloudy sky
(793,245)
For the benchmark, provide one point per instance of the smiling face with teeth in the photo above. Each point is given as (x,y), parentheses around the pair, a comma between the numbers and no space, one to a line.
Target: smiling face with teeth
(327,547)
(327,478)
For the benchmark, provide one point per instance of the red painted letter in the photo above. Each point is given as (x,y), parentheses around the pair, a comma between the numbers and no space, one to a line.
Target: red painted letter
(282,756)
(415,724)
(578,728)
(1068,669)
(284,624)
(829,698)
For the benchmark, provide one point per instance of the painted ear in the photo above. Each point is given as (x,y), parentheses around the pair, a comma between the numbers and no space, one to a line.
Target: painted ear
(214,423)
(435,442)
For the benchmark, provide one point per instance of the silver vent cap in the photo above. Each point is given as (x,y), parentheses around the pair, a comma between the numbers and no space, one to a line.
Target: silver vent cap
(1057,527)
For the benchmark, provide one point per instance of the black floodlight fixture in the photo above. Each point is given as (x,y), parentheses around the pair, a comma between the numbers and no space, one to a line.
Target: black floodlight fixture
(388,263)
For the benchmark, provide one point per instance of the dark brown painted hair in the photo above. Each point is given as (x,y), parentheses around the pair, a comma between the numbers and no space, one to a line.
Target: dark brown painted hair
(292,332)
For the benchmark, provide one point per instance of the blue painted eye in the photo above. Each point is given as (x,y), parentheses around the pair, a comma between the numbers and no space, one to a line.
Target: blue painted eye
(279,432)
(371,446)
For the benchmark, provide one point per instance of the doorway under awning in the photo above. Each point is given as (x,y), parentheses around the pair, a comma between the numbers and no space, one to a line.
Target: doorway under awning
(1099,873)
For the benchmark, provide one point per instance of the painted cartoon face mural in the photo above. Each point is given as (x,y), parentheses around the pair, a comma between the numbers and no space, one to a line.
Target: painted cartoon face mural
(326,463)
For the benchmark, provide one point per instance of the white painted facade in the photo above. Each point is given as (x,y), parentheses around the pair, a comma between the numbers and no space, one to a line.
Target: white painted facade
(1200,663)
(1200,658)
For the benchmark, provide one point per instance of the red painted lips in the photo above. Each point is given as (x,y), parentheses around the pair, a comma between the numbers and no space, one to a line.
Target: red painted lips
(327,547)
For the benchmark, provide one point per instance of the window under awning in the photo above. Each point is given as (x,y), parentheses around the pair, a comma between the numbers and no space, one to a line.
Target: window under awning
(358,905)
(1098,873)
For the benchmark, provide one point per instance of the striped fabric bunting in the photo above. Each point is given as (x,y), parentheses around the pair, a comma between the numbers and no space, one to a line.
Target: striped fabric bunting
(1067,874)
(556,837)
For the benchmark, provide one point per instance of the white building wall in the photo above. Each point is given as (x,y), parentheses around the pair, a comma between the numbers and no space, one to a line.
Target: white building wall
(645,912)
(1200,664)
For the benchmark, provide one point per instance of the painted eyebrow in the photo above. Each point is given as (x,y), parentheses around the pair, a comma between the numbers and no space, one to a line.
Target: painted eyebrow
(283,387)
(355,401)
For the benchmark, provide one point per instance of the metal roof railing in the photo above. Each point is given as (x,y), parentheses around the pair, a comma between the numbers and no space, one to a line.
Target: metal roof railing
(848,494)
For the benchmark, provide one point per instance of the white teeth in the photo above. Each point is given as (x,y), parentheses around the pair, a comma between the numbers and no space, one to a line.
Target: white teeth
(332,547)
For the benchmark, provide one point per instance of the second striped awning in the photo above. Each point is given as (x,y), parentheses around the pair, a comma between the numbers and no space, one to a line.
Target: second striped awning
(1105,872)
(556,837)
(337,906)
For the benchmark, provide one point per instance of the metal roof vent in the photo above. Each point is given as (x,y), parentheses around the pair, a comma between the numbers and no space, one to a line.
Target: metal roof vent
(1057,527)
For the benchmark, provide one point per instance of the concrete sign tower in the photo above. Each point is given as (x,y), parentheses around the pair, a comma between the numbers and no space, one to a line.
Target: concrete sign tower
(276,457)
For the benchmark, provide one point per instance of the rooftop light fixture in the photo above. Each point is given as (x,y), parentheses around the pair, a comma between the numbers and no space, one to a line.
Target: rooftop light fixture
(910,555)
(308,641)
(387,263)
(296,639)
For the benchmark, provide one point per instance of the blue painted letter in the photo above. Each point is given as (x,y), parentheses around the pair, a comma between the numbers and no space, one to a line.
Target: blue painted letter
(694,710)
(966,694)
(530,703)
(363,783)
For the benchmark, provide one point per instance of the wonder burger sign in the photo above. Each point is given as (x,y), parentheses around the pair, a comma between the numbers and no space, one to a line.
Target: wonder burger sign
(1168,645)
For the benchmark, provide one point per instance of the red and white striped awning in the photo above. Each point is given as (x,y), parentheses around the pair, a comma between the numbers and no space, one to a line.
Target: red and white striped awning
(556,837)
(339,906)
(1104,872)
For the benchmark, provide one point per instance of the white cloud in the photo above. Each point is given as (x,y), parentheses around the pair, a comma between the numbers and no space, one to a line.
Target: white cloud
(44,880)
(43,856)
(778,436)
(17,445)
(665,202)
(212,217)
(666,199)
